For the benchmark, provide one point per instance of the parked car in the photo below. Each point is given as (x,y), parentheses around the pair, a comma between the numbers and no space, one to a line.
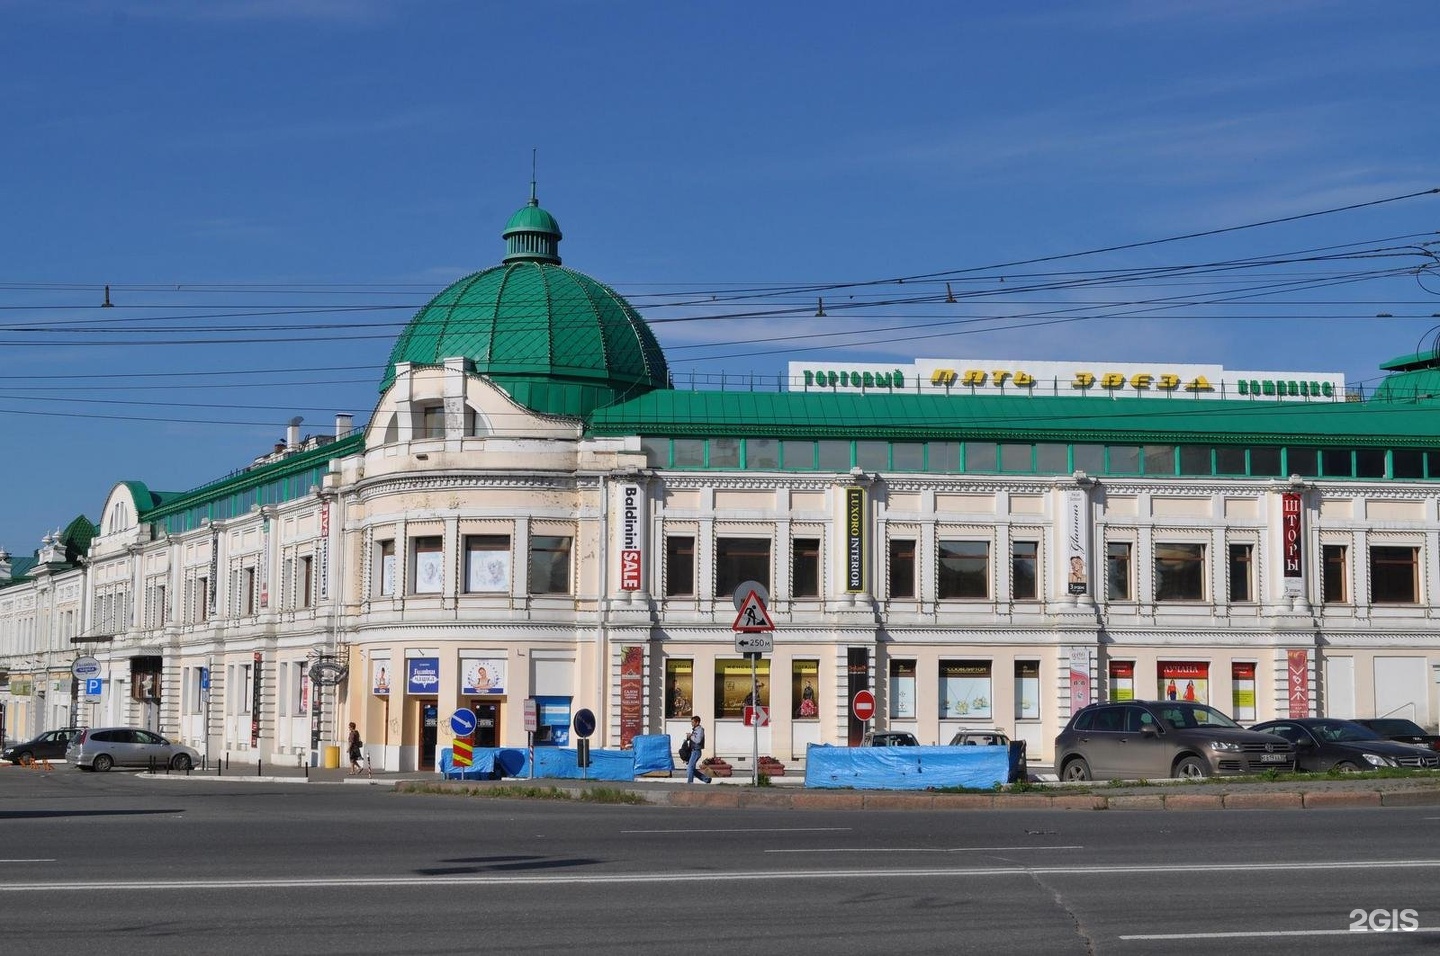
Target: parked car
(48,746)
(1404,731)
(101,748)
(1325,743)
(889,738)
(1019,762)
(1137,740)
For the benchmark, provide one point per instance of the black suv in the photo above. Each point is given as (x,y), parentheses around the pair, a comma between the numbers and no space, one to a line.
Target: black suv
(1149,739)
(48,746)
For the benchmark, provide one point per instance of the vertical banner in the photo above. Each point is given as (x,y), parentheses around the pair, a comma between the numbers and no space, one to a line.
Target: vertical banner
(214,583)
(255,702)
(1122,680)
(631,549)
(316,715)
(1079,678)
(854,540)
(265,562)
(1077,543)
(632,694)
(1297,678)
(1292,544)
(322,556)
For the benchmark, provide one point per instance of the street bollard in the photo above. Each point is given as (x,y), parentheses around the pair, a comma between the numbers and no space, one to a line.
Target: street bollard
(260,768)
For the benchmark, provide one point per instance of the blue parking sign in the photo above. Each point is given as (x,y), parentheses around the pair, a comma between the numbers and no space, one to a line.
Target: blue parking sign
(94,686)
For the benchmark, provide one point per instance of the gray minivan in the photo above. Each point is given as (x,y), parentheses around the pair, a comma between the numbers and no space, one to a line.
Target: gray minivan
(100,748)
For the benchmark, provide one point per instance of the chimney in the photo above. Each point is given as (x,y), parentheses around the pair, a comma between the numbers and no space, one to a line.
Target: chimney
(344,425)
(292,434)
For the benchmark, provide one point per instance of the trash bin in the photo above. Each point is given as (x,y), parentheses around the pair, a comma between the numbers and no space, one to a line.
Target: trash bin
(332,757)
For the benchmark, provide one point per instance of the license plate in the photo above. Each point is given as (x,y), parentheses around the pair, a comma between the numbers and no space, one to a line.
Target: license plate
(1274,758)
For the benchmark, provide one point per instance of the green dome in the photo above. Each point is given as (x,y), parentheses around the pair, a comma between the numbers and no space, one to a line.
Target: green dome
(556,340)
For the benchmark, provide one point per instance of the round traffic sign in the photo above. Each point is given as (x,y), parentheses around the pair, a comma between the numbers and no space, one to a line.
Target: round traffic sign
(746,588)
(863,705)
(584,722)
(463,722)
(85,668)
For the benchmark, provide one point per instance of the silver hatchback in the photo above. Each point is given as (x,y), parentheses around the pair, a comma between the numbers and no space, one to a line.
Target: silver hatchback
(100,748)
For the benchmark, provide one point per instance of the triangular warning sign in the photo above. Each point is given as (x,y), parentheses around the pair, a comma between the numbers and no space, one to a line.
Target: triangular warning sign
(752,617)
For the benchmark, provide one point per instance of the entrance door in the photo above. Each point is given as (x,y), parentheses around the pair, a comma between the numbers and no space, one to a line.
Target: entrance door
(487,723)
(429,734)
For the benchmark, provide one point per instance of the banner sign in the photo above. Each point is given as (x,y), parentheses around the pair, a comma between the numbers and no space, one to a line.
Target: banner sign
(255,702)
(854,540)
(322,555)
(1079,678)
(422,675)
(482,675)
(1292,544)
(631,551)
(1297,676)
(632,694)
(1077,543)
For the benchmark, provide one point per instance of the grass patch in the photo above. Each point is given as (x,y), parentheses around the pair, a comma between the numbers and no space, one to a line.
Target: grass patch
(611,795)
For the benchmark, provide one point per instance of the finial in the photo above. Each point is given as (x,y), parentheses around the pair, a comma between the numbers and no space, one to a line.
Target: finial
(533,201)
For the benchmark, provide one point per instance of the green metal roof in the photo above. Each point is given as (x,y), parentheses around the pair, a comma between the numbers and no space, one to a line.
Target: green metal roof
(674,413)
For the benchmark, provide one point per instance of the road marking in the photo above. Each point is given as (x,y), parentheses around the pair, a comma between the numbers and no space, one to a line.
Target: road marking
(924,849)
(754,876)
(27,861)
(750,830)
(1282,932)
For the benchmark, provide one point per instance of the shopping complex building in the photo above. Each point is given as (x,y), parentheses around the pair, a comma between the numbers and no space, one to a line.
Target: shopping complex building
(533,510)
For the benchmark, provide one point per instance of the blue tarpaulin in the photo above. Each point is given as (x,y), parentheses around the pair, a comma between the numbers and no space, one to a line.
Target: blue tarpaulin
(551,762)
(652,753)
(905,768)
(483,767)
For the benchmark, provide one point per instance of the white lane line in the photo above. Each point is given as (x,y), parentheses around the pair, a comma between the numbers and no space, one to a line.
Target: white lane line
(1257,934)
(27,861)
(688,830)
(754,876)
(924,849)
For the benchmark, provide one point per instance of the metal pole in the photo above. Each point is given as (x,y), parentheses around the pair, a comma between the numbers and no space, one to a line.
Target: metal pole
(754,723)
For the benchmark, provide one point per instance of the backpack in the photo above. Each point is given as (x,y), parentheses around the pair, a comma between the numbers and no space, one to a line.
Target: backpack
(686,748)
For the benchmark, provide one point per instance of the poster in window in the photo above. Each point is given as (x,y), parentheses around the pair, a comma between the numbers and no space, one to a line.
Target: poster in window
(482,675)
(679,688)
(429,572)
(489,571)
(380,678)
(1122,680)
(902,689)
(965,689)
(1242,679)
(1027,690)
(387,574)
(732,686)
(805,690)
(1185,680)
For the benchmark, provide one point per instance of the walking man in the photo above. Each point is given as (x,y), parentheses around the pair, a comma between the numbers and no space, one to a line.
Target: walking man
(697,744)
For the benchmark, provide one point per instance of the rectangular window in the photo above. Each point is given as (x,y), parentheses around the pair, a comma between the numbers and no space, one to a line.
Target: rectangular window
(679,565)
(202,599)
(1242,691)
(386,558)
(805,689)
(679,688)
(907,456)
(1124,459)
(1369,463)
(1089,458)
(1336,463)
(738,560)
(834,456)
(1394,575)
(965,690)
(902,568)
(805,567)
(487,563)
(246,595)
(1195,460)
(657,452)
(981,456)
(305,584)
(1122,680)
(1265,462)
(942,457)
(1027,690)
(1159,459)
(1229,460)
(1024,560)
(427,565)
(247,683)
(1407,463)
(1052,459)
(689,452)
(902,689)
(1017,458)
(1119,582)
(1302,461)
(872,455)
(964,570)
(799,455)
(1180,572)
(732,687)
(1184,680)
(762,453)
(1242,573)
(724,453)
(434,423)
(550,564)
(1333,577)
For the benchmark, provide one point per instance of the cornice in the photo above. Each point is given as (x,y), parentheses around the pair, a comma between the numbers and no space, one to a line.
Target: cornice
(740,481)
(372,489)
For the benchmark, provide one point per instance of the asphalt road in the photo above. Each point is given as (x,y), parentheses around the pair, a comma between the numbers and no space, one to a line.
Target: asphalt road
(113,864)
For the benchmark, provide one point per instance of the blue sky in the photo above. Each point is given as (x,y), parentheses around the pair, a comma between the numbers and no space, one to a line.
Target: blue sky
(272,187)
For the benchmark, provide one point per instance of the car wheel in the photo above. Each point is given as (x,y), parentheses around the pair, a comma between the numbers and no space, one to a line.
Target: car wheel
(1191,768)
(102,762)
(1345,766)
(181,762)
(1075,771)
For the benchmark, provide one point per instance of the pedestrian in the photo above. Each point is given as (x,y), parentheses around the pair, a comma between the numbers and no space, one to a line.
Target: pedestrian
(354,747)
(697,744)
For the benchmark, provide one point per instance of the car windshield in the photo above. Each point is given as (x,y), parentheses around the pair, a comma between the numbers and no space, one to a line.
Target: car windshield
(1190,716)
(1333,730)
(1397,726)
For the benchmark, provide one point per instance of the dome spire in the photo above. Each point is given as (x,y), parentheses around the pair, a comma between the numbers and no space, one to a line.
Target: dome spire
(532,234)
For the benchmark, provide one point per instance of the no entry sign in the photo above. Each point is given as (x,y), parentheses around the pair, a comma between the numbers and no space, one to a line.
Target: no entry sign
(863,705)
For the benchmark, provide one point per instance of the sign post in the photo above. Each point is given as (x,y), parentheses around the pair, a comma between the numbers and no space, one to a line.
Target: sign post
(862,705)
(532,723)
(584,724)
(753,635)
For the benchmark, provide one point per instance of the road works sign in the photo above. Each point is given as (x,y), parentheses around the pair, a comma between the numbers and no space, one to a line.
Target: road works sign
(753,618)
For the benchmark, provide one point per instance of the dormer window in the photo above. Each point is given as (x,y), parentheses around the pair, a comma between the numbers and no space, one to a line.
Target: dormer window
(432,422)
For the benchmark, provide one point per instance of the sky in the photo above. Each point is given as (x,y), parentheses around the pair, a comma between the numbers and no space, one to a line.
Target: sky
(271,188)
